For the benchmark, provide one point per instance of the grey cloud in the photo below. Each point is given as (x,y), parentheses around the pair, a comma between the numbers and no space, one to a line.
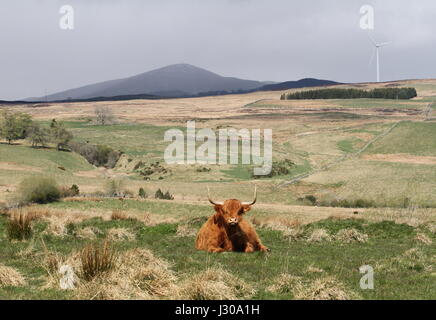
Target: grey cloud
(275,40)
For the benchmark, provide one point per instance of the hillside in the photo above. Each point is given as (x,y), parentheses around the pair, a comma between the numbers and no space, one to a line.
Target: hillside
(173,80)
(303,83)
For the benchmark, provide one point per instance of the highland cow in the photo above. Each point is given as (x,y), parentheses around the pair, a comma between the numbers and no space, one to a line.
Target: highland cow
(227,230)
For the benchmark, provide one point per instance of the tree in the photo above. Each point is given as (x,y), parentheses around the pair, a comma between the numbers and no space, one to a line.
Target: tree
(59,135)
(142,193)
(38,135)
(104,115)
(14,125)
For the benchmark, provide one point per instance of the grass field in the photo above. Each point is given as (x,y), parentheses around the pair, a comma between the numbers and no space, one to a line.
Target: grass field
(376,152)
(403,264)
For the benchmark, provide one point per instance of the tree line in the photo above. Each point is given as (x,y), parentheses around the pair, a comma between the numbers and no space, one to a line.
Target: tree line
(18,126)
(336,93)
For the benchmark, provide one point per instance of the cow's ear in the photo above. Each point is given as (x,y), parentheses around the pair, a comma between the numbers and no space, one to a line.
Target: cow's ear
(218,213)
(246,208)
(218,208)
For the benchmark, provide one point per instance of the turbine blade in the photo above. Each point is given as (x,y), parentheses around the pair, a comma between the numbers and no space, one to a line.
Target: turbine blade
(372,39)
(383,44)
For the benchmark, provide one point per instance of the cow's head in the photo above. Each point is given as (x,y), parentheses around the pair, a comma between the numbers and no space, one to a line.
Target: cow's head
(230,212)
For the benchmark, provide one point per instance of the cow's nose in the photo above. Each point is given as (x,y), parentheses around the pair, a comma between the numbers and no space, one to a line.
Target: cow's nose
(233,221)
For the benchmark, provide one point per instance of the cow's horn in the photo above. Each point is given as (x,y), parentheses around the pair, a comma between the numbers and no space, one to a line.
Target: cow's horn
(210,200)
(254,200)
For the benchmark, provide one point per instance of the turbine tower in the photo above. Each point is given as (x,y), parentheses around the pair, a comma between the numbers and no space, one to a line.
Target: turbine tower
(377,46)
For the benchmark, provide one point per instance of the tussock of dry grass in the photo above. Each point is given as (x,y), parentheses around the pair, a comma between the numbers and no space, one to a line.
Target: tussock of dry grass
(214,284)
(52,263)
(119,215)
(89,233)
(184,230)
(97,260)
(276,223)
(291,229)
(138,275)
(431,227)
(319,235)
(411,260)
(422,237)
(294,234)
(285,283)
(19,225)
(9,277)
(57,224)
(351,235)
(120,234)
(324,288)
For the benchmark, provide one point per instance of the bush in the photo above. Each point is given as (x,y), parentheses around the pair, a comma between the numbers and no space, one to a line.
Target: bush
(115,188)
(153,169)
(164,196)
(141,193)
(73,191)
(14,125)
(38,190)
(311,198)
(279,168)
(98,155)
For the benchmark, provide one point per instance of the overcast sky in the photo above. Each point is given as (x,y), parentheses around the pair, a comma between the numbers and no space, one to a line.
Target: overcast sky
(275,40)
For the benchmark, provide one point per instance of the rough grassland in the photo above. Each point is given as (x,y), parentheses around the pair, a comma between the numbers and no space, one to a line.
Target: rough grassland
(396,275)
(316,249)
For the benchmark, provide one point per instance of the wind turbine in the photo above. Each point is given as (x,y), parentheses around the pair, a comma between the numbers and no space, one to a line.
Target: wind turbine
(377,46)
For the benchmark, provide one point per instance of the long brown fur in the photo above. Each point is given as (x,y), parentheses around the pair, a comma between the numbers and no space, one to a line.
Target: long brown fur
(217,235)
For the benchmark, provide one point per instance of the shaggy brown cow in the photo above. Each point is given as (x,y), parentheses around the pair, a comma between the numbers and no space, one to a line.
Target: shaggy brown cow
(226,230)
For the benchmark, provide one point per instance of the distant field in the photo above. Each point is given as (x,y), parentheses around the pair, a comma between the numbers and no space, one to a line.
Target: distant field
(416,138)
(133,139)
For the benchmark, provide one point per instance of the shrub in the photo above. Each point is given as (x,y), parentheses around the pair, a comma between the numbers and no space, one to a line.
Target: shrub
(311,198)
(104,116)
(73,191)
(165,196)
(115,188)
(19,226)
(98,155)
(152,169)
(278,168)
(59,135)
(159,194)
(97,259)
(38,190)
(14,125)
(141,193)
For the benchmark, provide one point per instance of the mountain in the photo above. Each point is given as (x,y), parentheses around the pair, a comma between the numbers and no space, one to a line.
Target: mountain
(176,80)
(303,83)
